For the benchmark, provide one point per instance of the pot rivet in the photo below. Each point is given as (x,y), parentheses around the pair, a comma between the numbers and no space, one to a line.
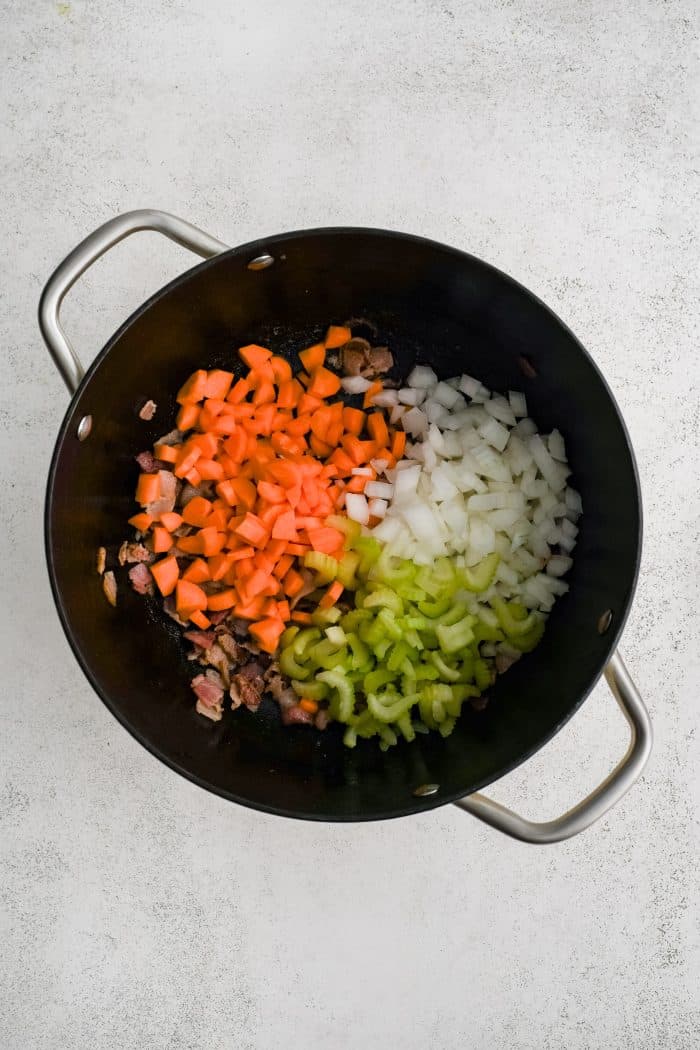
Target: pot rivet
(261,262)
(84,428)
(426,789)
(605,621)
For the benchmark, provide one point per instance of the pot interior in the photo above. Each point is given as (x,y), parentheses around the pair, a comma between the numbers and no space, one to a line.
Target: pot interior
(429,304)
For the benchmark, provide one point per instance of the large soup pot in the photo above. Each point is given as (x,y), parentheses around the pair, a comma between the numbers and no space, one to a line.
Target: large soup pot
(429,303)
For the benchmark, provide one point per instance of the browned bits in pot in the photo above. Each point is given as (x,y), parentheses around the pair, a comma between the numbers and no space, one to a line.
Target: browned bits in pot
(109,586)
(526,367)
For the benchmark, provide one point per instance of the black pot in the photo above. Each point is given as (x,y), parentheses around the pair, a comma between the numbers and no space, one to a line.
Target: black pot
(429,303)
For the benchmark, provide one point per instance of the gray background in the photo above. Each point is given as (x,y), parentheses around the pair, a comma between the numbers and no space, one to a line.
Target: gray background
(558,140)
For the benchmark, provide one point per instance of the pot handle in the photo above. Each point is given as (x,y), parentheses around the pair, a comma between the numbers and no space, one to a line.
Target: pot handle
(89,251)
(599,801)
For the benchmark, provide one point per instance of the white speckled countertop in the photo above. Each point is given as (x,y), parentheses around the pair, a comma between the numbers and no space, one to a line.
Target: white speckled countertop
(557,140)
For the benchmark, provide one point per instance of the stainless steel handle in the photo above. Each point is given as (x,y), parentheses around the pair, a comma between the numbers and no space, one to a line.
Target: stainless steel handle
(599,801)
(89,251)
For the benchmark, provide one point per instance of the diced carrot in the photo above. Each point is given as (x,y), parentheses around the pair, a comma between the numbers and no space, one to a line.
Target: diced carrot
(264,417)
(193,390)
(377,428)
(219,519)
(197,571)
(254,356)
(207,443)
(142,521)
(300,425)
(222,600)
(282,369)
(283,610)
(331,596)
(193,477)
(313,357)
(320,448)
(189,597)
(285,527)
(224,426)
(289,394)
(272,493)
(165,572)
(213,406)
(298,549)
(238,392)
(357,484)
(170,520)
(324,383)
(186,459)
(306,704)
(300,617)
(242,552)
(249,610)
(147,489)
(253,531)
(211,540)
(187,417)
(271,513)
(283,566)
(267,633)
(337,335)
(162,540)
(342,460)
(308,404)
(165,453)
(210,470)
(197,511)
(200,620)
(398,445)
(292,583)
(245,492)
(371,393)
(190,544)
(326,540)
(264,394)
(218,383)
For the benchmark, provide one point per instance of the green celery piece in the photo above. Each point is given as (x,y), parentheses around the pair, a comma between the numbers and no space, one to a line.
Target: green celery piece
(291,668)
(303,640)
(386,598)
(322,564)
(376,679)
(451,674)
(446,727)
(352,620)
(439,579)
(336,635)
(408,669)
(483,674)
(337,680)
(389,625)
(326,654)
(392,571)
(459,694)
(288,637)
(382,648)
(438,692)
(466,666)
(324,617)
(413,639)
(511,619)
(352,530)
(417,623)
(396,655)
(454,637)
(390,712)
(426,672)
(313,690)
(347,568)
(405,727)
(481,576)
(434,608)
(411,593)
(369,550)
(458,611)
(360,652)
(483,632)
(371,632)
(350,737)
(525,643)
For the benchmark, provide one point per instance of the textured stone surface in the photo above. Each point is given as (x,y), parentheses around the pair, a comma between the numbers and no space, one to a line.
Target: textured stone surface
(558,140)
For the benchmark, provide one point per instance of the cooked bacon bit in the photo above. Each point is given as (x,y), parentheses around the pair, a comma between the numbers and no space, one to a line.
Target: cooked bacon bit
(358,358)
(209,692)
(281,691)
(141,579)
(246,689)
(218,617)
(109,586)
(148,411)
(134,552)
(296,716)
(168,494)
(147,462)
(228,643)
(322,719)
(380,361)
(202,639)
(217,658)
(101,559)
(173,437)
(505,660)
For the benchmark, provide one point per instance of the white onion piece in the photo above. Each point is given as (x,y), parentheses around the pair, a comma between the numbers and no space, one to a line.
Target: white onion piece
(555,444)
(386,398)
(422,377)
(362,472)
(355,384)
(517,403)
(411,396)
(377,508)
(414,422)
(357,507)
(559,565)
(379,489)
